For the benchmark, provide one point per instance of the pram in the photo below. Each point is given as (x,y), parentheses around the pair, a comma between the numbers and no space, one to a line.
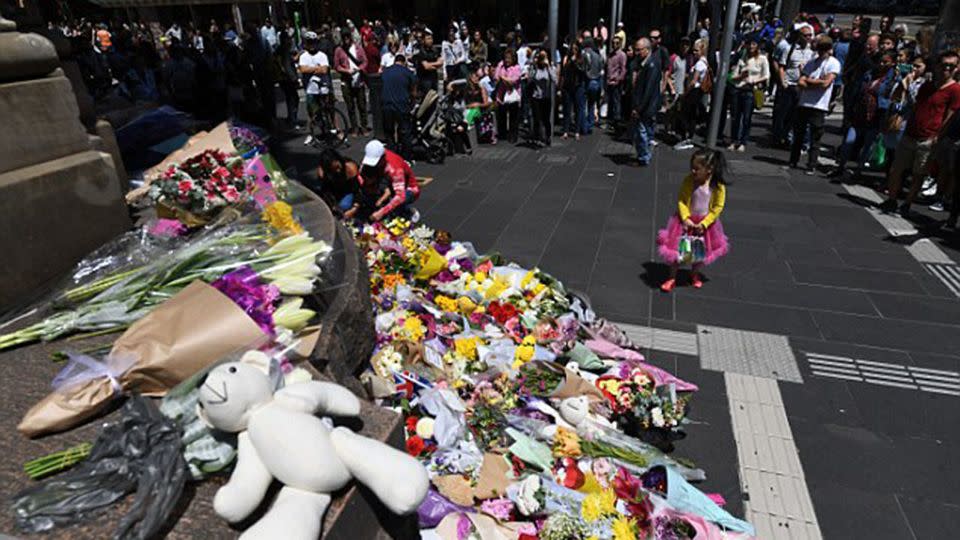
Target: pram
(430,139)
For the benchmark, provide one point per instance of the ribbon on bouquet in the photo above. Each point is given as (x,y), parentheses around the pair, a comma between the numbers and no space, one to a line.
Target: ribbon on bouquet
(82,368)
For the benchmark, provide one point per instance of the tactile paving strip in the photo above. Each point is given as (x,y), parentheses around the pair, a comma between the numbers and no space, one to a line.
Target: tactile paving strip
(777,500)
(661,340)
(925,251)
(749,353)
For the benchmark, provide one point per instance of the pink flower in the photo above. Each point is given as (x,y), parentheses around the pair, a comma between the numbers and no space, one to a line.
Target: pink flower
(501,509)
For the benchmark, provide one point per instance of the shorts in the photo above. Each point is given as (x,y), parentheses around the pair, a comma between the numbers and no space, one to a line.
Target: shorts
(912,155)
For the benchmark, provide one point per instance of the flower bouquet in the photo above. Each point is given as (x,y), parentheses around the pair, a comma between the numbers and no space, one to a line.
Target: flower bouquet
(116,300)
(655,413)
(195,190)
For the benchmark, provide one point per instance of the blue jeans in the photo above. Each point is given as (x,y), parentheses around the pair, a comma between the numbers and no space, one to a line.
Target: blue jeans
(594,86)
(574,107)
(642,136)
(856,145)
(741,115)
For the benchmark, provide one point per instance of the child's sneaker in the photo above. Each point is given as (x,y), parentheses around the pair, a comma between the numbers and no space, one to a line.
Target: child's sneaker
(668,285)
(696,281)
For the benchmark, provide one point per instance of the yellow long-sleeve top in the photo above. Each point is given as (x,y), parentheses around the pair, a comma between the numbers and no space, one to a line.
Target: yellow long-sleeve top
(718,197)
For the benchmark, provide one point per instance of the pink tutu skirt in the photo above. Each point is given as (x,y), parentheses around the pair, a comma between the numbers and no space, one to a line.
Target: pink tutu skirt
(669,238)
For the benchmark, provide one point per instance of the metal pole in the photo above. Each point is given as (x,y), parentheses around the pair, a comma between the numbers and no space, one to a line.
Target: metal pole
(553,18)
(692,22)
(620,15)
(552,21)
(720,77)
(574,14)
(612,26)
(776,10)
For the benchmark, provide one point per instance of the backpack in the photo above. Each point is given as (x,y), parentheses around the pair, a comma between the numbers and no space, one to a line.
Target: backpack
(706,84)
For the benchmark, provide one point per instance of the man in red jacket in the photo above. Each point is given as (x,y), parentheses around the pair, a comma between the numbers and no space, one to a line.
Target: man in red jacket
(383,166)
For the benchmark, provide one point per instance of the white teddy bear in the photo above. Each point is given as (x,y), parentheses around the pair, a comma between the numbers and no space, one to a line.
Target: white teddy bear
(279,437)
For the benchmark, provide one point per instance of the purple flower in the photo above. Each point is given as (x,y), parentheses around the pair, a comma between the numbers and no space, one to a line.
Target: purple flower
(257,299)
(465,264)
(445,276)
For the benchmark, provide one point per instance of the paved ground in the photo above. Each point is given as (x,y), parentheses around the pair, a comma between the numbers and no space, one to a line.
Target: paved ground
(830,332)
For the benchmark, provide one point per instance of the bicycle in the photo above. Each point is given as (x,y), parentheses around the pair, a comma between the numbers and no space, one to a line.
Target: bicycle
(329,126)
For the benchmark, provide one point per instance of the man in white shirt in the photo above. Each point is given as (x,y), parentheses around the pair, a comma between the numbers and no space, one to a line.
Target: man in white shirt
(789,65)
(315,68)
(268,34)
(816,85)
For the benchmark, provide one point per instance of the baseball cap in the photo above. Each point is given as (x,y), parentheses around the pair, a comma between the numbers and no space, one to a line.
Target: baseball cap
(372,153)
(310,36)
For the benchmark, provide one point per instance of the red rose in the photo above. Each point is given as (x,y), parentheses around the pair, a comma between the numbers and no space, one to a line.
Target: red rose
(415,446)
(412,423)
(525,536)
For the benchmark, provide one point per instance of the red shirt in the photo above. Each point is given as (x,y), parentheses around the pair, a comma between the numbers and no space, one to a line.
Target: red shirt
(402,181)
(373,58)
(931,107)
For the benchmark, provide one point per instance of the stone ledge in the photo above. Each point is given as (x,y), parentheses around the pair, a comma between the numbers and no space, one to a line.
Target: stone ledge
(51,215)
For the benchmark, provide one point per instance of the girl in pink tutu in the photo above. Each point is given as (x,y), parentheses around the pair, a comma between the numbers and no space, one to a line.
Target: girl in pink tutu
(702,196)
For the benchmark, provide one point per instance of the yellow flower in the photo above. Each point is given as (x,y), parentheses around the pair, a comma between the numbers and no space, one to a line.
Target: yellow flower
(539,288)
(566,443)
(608,502)
(527,278)
(408,244)
(279,215)
(593,538)
(446,303)
(466,347)
(414,328)
(610,385)
(624,529)
(524,352)
(466,305)
(590,508)
(480,276)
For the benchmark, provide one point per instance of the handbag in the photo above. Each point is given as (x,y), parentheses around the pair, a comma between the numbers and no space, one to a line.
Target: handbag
(878,153)
(691,249)
(511,95)
(759,97)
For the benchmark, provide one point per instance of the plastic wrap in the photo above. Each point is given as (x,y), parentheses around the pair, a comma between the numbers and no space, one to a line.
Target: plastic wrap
(138,454)
(435,507)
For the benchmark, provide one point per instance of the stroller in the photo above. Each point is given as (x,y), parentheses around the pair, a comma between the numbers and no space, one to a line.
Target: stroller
(430,139)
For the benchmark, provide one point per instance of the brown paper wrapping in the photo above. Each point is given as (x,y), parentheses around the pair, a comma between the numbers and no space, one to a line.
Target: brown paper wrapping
(185,334)
(495,477)
(574,385)
(216,139)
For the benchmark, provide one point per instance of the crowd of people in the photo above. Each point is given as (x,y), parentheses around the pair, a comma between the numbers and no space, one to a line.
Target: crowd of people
(897,97)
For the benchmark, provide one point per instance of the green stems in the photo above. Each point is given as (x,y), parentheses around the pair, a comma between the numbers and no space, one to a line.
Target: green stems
(57,461)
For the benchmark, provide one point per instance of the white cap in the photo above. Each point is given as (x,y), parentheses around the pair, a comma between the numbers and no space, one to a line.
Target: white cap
(372,153)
